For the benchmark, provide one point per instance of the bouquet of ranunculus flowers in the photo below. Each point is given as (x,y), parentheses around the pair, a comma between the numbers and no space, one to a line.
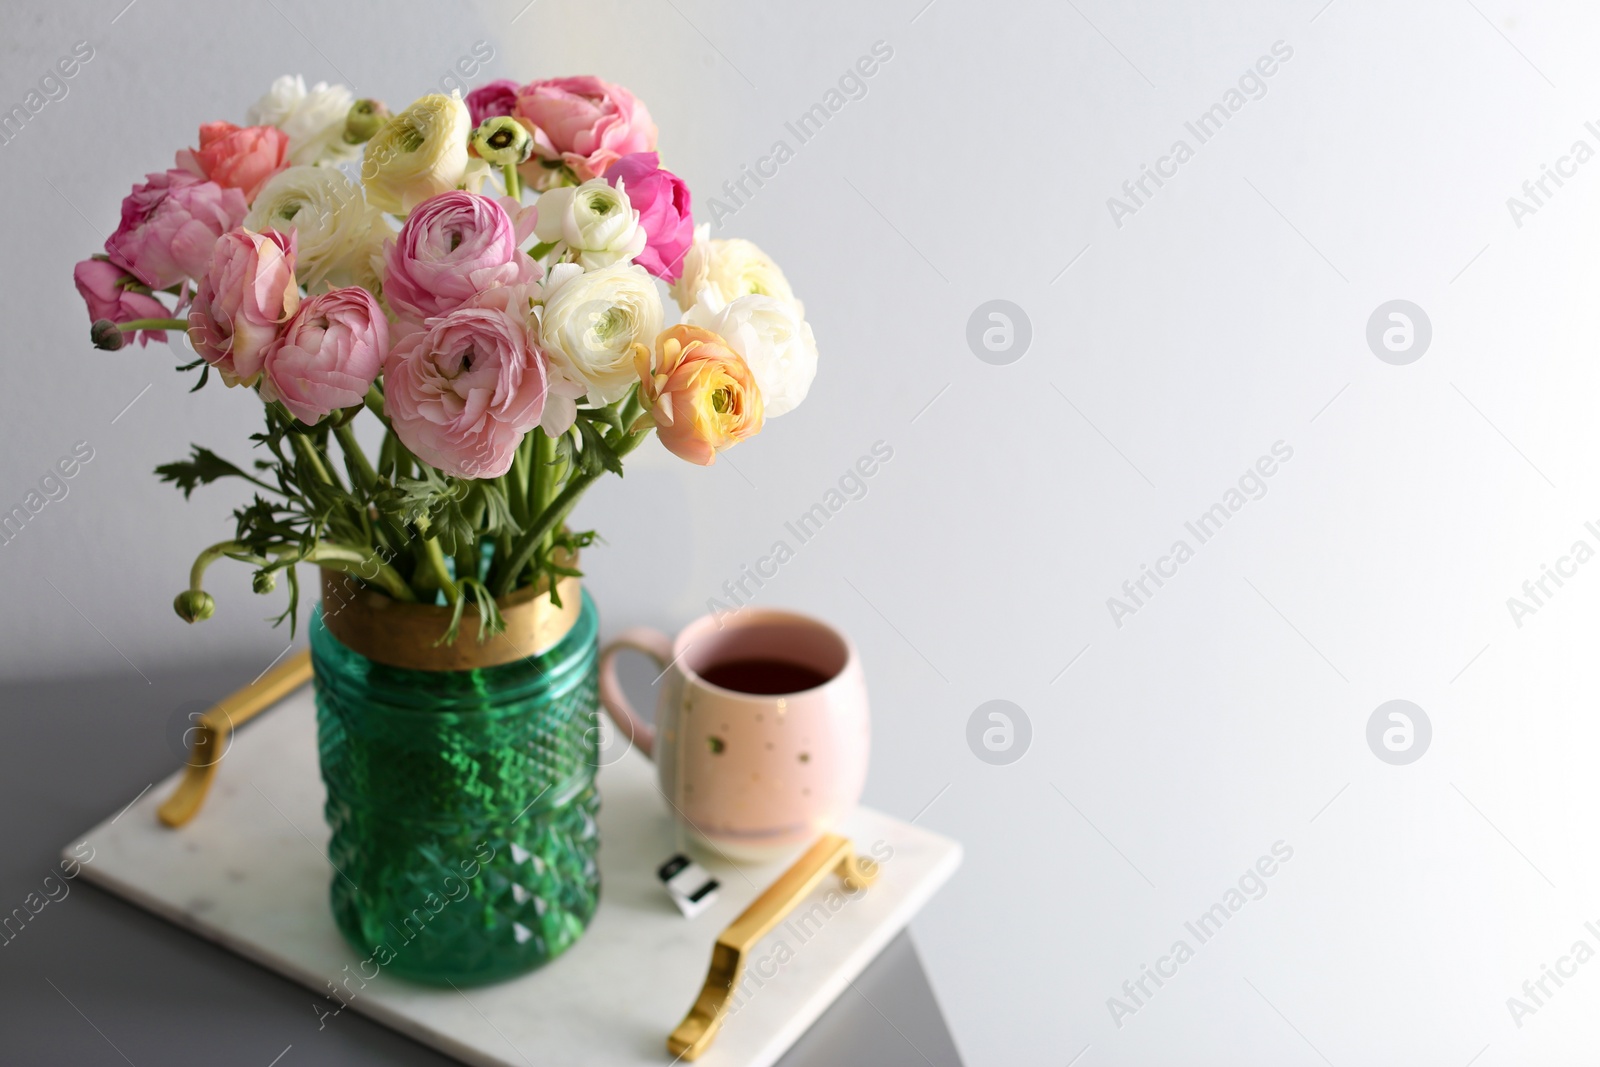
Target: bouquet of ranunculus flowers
(337,258)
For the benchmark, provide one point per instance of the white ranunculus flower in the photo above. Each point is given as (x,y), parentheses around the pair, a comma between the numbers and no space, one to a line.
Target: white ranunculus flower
(730,269)
(365,266)
(591,319)
(419,153)
(774,339)
(325,208)
(696,264)
(594,220)
(313,118)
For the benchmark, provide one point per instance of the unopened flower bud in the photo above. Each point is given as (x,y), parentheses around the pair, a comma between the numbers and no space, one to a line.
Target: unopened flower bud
(264,581)
(502,141)
(106,336)
(194,605)
(366,117)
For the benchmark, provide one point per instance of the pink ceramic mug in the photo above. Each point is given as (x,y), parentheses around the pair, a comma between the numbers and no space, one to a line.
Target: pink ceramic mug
(750,772)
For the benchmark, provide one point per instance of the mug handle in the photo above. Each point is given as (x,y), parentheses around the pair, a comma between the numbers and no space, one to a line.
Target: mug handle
(656,645)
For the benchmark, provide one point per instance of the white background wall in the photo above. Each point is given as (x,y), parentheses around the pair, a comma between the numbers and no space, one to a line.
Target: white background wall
(1227,314)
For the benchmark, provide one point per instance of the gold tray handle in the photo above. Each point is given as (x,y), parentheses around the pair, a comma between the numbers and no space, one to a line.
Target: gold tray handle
(216,727)
(831,853)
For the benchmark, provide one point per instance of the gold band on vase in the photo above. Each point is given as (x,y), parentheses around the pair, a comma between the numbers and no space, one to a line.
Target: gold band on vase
(403,635)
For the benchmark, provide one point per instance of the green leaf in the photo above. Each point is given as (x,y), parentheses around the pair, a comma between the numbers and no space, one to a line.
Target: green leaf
(292,612)
(454,629)
(610,415)
(489,620)
(497,517)
(597,452)
(201,468)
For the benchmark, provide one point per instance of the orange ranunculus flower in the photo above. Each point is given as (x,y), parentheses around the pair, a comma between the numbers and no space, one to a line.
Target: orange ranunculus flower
(699,391)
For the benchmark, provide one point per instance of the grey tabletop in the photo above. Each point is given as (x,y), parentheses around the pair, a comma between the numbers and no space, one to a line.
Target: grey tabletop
(91,979)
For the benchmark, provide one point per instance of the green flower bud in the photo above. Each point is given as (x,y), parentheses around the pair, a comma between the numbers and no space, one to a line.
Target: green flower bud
(106,336)
(194,605)
(264,581)
(366,117)
(502,141)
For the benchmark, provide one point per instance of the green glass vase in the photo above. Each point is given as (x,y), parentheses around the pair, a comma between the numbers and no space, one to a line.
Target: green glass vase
(462,805)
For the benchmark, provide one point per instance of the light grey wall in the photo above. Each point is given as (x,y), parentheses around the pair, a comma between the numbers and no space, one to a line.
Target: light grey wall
(1226,313)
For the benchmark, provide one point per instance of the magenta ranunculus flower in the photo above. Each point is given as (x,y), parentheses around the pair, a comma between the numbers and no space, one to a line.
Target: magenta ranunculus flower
(496,98)
(452,247)
(462,389)
(104,288)
(248,293)
(328,356)
(169,226)
(662,201)
(583,122)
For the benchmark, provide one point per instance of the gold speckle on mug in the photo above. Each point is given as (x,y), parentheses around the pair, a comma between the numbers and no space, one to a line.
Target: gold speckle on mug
(805,757)
(715,744)
(783,706)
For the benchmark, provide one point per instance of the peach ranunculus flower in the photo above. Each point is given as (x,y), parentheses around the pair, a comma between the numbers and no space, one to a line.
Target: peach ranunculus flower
(248,293)
(237,157)
(700,393)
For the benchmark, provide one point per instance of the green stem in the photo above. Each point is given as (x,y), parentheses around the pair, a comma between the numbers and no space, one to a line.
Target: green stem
(133,325)
(552,517)
(355,561)
(337,557)
(433,555)
(265,485)
(469,554)
(540,485)
(467,561)
(513,181)
(308,452)
(352,451)
(515,483)
(374,402)
(206,558)
(502,550)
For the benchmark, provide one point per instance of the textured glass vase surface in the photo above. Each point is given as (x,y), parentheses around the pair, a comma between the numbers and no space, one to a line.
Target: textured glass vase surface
(462,805)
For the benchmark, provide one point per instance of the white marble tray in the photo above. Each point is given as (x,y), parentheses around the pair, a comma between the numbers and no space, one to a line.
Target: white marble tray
(249,873)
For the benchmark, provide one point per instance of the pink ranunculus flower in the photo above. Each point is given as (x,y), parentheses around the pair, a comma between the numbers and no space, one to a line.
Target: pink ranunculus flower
(237,157)
(489,101)
(462,389)
(248,293)
(104,288)
(452,247)
(662,201)
(170,225)
(328,356)
(583,122)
